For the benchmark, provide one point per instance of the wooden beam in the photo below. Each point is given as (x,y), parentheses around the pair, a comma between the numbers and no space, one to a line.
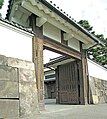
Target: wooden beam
(60,48)
(53,45)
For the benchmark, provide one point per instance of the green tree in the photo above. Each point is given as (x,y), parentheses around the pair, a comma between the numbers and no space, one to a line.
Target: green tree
(85,24)
(1,4)
(99,53)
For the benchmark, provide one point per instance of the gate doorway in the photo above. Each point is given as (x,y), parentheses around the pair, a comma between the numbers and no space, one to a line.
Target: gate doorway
(63,82)
(68,80)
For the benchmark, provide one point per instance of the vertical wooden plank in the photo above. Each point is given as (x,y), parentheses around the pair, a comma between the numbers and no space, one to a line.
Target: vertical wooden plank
(68,83)
(84,78)
(37,57)
(39,69)
(57,84)
(81,82)
(85,74)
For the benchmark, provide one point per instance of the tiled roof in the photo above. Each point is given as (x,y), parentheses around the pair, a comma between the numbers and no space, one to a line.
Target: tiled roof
(17,26)
(61,13)
(68,18)
(9,8)
(63,58)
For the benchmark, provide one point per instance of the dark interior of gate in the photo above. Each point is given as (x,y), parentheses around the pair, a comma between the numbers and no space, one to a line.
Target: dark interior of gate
(63,80)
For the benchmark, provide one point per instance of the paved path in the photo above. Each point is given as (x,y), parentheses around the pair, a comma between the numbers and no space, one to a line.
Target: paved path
(54,111)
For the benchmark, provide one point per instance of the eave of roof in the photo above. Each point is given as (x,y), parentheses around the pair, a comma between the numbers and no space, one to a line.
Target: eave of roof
(62,58)
(65,17)
(56,60)
(51,7)
(17,26)
(9,8)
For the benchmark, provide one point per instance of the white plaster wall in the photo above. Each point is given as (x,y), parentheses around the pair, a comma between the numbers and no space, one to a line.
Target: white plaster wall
(96,70)
(15,43)
(52,32)
(73,43)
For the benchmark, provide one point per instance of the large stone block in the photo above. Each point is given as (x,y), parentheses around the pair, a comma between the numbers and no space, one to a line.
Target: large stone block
(9,109)
(28,99)
(99,90)
(3,60)
(9,89)
(26,75)
(92,86)
(8,73)
(20,63)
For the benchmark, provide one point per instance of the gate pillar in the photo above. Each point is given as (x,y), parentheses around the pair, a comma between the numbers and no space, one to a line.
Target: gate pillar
(39,69)
(85,77)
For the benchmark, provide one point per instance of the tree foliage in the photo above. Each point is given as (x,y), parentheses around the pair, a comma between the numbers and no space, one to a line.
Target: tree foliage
(85,24)
(98,53)
(1,3)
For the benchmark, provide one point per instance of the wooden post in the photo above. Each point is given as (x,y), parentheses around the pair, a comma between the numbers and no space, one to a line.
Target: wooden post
(85,77)
(39,69)
(37,45)
(57,84)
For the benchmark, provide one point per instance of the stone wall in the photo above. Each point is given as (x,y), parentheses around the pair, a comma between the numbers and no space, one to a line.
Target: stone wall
(18,91)
(98,90)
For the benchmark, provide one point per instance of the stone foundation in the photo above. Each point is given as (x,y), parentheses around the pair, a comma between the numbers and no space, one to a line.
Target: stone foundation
(18,91)
(98,90)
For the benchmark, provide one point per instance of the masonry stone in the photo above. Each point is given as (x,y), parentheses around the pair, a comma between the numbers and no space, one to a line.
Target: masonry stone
(3,60)
(28,99)
(9,89)
(27,75)
(9,109)
(8,73)
(28,92)
(98,89)
(18,91)
(14,62)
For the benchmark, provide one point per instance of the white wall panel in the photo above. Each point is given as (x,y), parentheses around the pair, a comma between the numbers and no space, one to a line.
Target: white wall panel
(96,70)
(52,32)
(73,43)
(15,43)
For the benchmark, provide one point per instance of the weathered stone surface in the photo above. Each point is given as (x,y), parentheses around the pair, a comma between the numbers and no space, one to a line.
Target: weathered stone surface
(9,109)
(20,63)
(8,73)
(26,75)
(98,90)
(92,85)
(28,99)
(9,89)
(17,81)
(3,60)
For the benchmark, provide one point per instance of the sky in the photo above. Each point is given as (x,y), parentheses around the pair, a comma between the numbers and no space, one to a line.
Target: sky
(95,11)
(3,11)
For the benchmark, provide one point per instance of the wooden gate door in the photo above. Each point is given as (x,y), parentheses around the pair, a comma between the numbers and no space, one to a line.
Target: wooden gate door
(68,87)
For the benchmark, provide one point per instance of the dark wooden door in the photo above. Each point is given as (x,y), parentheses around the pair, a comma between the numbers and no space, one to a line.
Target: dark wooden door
(68,84)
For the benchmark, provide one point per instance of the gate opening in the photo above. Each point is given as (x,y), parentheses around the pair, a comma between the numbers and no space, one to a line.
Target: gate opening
(62,79)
